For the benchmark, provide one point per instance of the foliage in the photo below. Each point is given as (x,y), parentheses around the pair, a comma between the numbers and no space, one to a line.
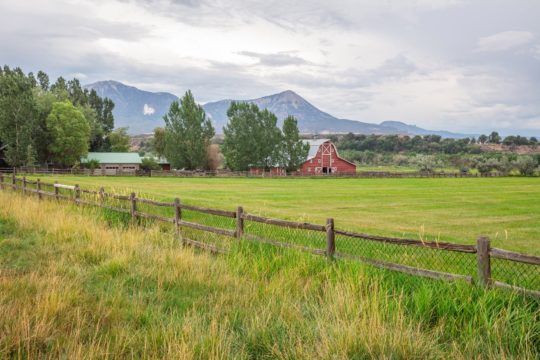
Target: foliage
(252,138)
(31,156)
(426,163)
(70,133)
(526,165)
(25,104)
(119,140)
(159,142)
(17,115)
(188,134)
(149,163)
(92,164)
(294,150)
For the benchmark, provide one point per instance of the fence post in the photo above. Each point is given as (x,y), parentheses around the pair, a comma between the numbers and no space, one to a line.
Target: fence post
(38,187)
(13,180)
(1,181)
(24,185)
(239,222)
(177,214)
(133,200)
(101,194)
(77,193)
(483,260)
(330,238)
(56,190)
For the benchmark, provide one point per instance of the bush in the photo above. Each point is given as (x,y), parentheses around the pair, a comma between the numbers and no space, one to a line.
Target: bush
(526,165)
(149,164)
(426,163)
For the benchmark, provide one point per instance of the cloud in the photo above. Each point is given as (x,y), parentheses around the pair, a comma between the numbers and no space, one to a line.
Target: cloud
(505,40)
(277,59)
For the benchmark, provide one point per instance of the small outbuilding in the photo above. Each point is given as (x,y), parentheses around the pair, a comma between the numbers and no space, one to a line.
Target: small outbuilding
(113,163)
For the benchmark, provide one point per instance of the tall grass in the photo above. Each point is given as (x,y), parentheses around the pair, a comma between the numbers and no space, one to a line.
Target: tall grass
(72,286)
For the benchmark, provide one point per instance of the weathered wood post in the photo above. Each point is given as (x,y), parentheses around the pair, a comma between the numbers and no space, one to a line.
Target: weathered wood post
(13,180)
(133,200)
(239,222)
(177,214)
(24,185)
(56,190)
(330,239)
(1,181)
(483,261)
(38,188)
(101,194)
(77,191)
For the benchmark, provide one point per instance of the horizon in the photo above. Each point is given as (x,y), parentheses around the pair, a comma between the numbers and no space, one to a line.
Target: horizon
(461,66)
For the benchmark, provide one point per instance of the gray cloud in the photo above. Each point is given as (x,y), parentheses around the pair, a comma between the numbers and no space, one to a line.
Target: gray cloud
(457,64)
(277,59)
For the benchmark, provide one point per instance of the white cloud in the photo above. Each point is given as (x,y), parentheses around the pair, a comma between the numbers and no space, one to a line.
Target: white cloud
(148,110)
(505,40)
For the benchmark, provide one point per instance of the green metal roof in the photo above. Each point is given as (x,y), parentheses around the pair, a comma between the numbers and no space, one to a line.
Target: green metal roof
(112,158)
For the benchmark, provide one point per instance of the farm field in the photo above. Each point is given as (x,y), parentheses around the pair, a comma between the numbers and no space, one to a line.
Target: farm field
(456,209)
(73,287)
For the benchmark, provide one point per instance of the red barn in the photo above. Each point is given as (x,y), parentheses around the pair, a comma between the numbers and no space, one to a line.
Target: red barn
(323,158)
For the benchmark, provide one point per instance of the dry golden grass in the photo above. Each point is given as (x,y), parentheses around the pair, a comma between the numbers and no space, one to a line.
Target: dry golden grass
(72,287)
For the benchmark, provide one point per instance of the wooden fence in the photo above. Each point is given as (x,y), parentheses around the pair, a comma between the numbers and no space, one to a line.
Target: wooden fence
(227,173)
(479,264)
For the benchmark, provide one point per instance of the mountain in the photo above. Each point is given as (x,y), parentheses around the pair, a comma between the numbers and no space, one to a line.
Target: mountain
(139,110)
(142,111)
(313,120)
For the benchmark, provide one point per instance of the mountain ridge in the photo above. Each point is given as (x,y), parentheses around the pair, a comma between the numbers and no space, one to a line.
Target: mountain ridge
(143,110)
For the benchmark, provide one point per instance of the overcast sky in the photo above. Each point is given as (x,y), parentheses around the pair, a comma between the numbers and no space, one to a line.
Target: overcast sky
(461,65)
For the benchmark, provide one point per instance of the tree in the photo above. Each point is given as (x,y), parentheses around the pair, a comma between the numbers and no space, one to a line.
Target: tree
(526,165)
(119,140)
(43,80)
(17,115)
(252,138)
(149,164)
(482,139)
(70,133)
(295,150)
(158,142)
(188,134)
(494,138)
(31,156)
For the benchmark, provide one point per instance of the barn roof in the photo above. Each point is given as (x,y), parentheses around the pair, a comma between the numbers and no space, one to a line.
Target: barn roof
(314,146)
(113,158)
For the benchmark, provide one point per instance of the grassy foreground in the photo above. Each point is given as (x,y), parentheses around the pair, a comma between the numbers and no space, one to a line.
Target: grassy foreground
(72,287)
(457,210)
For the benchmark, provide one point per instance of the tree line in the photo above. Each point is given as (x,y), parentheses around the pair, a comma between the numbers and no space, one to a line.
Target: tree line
(44,123)
(251,138)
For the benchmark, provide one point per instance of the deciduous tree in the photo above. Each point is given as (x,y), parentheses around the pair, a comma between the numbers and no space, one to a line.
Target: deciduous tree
(188,134)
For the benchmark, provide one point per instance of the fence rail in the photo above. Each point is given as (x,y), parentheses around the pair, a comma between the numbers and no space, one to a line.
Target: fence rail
(227,173)
(215,229)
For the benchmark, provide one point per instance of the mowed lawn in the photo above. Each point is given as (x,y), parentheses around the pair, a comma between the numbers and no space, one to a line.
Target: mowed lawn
(458,210)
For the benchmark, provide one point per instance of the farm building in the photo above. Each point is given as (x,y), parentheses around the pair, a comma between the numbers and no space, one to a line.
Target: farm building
(323,158)
(113,163)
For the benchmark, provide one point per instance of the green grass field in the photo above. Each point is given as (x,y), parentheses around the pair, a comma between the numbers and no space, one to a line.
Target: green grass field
(455,209)
(73,287)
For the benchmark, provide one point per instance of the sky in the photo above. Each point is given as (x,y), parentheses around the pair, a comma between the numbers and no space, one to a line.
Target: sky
(461,65)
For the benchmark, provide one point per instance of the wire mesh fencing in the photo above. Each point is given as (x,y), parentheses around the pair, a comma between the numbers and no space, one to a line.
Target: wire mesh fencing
(215,230)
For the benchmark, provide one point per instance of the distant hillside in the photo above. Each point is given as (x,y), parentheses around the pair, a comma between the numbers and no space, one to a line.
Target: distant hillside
(313,120)
(142,111)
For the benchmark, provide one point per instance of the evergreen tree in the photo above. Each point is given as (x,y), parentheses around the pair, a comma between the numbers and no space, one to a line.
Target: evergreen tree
(188,134)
